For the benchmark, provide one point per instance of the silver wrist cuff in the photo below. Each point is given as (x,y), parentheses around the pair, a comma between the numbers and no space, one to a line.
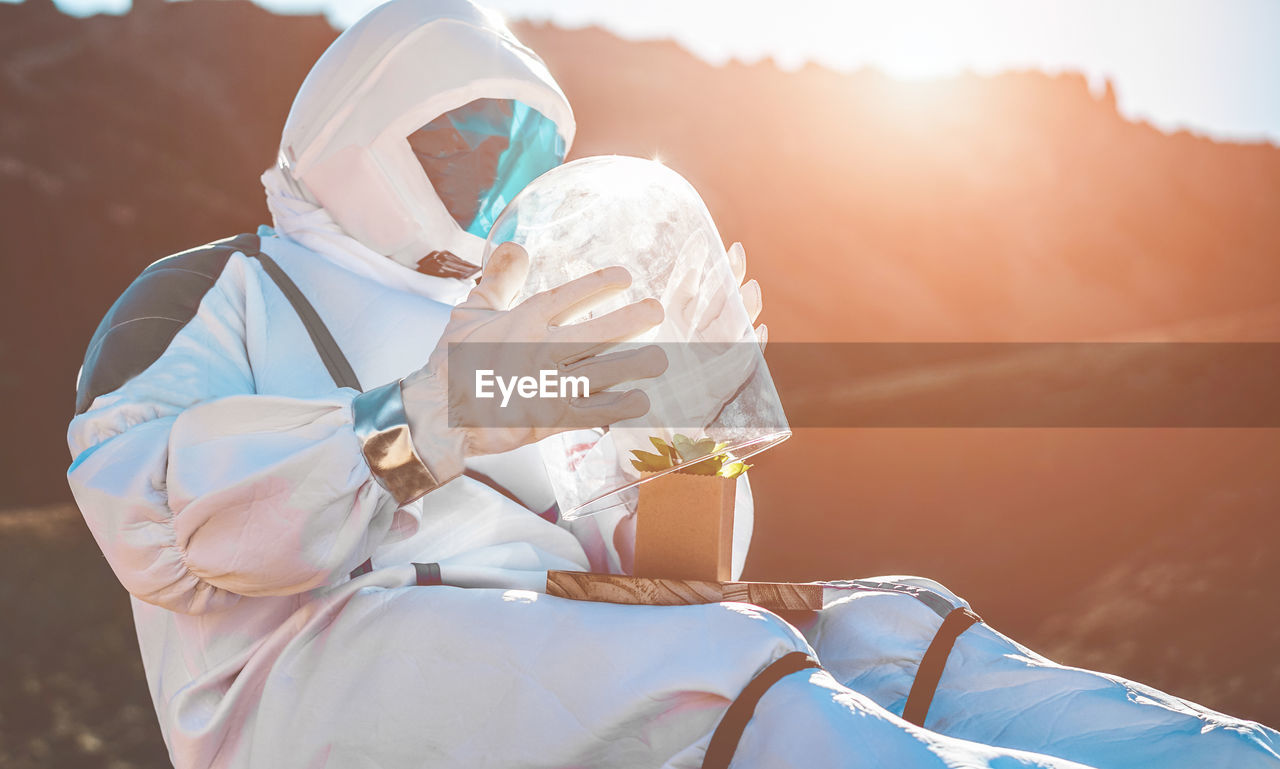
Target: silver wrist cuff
(383,430)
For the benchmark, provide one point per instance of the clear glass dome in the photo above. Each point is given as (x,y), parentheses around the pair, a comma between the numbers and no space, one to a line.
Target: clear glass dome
(603,211)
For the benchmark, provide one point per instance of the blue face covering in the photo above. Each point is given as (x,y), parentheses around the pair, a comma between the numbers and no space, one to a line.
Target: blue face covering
(480,155)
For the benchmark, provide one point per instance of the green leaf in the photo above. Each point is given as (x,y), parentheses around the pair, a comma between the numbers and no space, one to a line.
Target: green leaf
(704,446)
(649,461)
(664,448)
(708,466)
(703,456)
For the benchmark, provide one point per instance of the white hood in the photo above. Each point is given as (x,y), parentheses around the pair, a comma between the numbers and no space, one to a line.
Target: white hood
(345,168)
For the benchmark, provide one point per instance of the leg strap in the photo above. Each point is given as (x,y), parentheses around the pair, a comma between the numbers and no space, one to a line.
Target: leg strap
(428,574)
(933,663)
(724,742)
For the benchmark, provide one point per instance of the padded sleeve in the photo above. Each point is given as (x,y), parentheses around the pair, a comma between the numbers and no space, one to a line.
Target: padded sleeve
(199,491)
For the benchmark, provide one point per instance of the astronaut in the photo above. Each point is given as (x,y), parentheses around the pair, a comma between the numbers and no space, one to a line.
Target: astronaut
(324,572)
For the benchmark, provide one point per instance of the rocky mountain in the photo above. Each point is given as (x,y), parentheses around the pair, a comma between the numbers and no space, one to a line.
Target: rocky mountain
(1019,207)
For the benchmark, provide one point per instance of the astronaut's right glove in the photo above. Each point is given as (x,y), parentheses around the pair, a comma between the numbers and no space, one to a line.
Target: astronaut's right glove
(416,433)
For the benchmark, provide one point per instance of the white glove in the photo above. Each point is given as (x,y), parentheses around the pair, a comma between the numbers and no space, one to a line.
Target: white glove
(750,290)
(547,342)
(700,309)
(706,373)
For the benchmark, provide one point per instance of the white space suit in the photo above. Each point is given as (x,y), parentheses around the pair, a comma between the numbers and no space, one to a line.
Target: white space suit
(220,468)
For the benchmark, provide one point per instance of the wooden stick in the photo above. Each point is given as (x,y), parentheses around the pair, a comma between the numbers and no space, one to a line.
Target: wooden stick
(653,591)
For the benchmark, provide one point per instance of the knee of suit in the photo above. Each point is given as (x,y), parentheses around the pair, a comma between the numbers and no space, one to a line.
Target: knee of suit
(767,627)
(925,583)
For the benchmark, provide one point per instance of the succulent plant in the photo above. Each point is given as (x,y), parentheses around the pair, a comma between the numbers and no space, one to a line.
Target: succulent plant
(697,457)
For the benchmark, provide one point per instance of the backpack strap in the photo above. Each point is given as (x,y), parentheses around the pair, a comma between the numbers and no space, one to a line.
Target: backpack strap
(162,300)
(330,353)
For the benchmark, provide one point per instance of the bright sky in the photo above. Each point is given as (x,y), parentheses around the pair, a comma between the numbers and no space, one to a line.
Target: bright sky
(1211,66)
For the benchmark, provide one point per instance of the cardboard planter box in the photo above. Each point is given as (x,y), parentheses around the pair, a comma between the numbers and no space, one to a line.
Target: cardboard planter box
(684,527)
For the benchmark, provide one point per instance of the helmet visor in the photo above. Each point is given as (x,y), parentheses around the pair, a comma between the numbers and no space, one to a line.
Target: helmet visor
(480,155)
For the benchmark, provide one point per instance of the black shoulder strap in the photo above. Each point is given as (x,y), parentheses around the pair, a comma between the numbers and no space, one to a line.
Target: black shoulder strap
(142,323)
(330,353)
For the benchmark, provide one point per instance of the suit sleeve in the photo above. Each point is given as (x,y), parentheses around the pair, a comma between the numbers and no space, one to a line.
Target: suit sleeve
(199,491)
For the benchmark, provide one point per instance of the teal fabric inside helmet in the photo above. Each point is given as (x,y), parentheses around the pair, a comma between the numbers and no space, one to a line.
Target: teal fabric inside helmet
(480,155)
